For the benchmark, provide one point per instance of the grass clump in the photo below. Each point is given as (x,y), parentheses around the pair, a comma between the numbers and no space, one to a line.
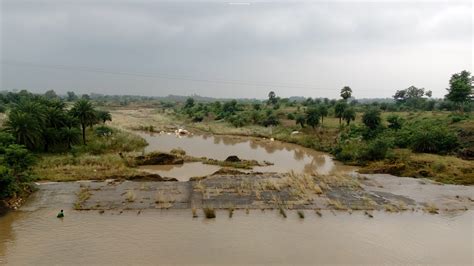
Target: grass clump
(83,195)
(194,212)
(130,196)
(209,213)
(431,208)
(300,214)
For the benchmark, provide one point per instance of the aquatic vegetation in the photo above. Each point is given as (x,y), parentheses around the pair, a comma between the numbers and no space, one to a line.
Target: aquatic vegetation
(209,213)
(431,208)
(300,214)
(83,195)
(336,204)
(194,212)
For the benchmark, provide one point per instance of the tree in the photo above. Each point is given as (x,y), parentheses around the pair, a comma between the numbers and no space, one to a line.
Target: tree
(323,112)
(412,96)
(104,116)
(460,89)
(339,109)
(312,117)
(25,126)
(300,119)
(271,119)
(189,103)
(272,99)
(349,115)
(85,113)
(371,118)
(18,159)
(71,96)
(346,93)
(15,163)
(51,94)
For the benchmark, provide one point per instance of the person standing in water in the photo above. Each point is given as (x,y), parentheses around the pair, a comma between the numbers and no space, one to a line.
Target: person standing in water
(60,214)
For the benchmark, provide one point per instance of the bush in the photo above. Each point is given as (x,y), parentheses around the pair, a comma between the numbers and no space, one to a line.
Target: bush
(238,120)
(290,116)
(8,184)
(358,151)
(433,139)
(371,118)
(103,131)
(395,122)
(375,150)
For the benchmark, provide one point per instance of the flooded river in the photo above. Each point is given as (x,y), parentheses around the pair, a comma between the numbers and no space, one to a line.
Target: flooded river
(284,156)
(33,235)
(172,236)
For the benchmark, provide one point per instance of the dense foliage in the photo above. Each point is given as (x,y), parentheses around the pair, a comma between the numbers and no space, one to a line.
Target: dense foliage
(39,123)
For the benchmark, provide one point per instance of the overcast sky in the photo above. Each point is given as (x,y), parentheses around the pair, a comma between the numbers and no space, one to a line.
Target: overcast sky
(224,49)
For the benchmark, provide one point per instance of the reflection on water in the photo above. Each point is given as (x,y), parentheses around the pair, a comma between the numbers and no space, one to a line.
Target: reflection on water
(286,157)
(172,236)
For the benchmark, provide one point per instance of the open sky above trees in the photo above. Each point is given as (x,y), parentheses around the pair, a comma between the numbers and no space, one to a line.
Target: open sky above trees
(309,48)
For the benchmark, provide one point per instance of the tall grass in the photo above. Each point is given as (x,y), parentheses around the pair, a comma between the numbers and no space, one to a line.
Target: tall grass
(209,213)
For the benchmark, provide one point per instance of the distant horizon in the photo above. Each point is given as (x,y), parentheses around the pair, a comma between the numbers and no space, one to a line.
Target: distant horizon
(194,96)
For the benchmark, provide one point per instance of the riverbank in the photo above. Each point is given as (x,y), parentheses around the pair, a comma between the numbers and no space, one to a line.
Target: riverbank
(401,162)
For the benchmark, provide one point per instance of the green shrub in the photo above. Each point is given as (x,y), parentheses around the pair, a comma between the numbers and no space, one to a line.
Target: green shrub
(290,116)
(395,122)
(375,150)
(103,131)
(433,139)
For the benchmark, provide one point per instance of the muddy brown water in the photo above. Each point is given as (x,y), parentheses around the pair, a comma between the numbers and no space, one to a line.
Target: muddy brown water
(33,235)
(172,236)
(284,156)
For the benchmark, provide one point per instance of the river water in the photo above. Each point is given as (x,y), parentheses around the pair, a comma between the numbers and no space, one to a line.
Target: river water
(172,236)
(284,156)
(33,235)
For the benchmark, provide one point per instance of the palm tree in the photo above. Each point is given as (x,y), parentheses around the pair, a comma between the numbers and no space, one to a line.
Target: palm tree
(25,127)
(349,115)
(85,113)
(104,116)
(346,93)
(339,109)
(70,135)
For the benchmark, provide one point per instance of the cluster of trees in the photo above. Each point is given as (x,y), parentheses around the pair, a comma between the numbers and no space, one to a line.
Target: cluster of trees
(42,122)
(237,113)
(15,163)
(39,123)
(373,140)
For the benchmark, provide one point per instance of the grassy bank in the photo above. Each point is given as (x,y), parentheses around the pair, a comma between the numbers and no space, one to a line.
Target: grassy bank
(444,169)
(98,160)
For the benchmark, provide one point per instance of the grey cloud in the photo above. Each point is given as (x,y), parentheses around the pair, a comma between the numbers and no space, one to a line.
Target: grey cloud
(374,47)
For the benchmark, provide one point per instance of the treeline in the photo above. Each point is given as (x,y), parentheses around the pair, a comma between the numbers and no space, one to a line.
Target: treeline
(358,143)
(39,123)
(43,123)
